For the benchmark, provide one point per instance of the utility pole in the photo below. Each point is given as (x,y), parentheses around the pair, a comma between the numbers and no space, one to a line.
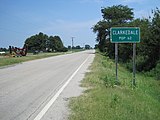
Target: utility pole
(72,43)
(83,45)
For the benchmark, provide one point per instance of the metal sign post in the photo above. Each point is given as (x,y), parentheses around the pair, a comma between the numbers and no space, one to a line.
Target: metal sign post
(116,61)
(125,35)
(134,65)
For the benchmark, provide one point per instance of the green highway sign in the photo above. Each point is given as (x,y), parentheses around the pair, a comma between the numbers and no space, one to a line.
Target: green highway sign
(125,34)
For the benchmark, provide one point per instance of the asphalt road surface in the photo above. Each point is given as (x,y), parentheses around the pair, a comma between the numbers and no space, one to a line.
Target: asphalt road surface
(28,90)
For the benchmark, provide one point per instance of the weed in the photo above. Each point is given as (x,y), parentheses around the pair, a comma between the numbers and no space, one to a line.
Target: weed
(102,102)
(114,100)
(109,81)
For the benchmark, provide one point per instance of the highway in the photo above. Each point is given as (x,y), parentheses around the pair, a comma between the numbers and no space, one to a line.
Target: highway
(26,88)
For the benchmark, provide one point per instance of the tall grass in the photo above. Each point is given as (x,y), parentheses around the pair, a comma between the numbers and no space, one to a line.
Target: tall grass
(105,101)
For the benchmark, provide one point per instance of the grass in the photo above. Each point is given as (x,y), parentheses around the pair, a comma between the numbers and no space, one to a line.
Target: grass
(104,101)
(77,50)
(4,61)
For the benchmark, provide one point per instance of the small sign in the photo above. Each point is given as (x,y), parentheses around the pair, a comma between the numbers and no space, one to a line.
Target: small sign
(125,34)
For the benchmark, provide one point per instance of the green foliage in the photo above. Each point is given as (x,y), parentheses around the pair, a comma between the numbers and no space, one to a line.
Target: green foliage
(64,49)
(119,102)
(115,99)
(109,81)
(101,28)
(148,50)
(112,16)
(42,42)
(155,72)
(3,49)
(37,42)
(16,60)
(87,47)
(125,52)
(117,14)
(56,43)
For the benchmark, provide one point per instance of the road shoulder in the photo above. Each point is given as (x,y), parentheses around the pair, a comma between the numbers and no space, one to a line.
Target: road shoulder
(60,110)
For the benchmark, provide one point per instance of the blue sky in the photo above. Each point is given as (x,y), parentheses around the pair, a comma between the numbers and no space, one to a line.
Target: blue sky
(20,19)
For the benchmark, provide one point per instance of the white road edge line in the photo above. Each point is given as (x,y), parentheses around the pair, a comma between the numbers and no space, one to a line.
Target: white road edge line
(49,104)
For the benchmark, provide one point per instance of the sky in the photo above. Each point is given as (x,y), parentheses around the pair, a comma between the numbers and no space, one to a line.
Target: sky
(20,19)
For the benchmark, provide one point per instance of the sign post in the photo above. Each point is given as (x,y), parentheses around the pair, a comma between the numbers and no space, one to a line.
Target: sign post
(125,35)
(134,64)
(116,61)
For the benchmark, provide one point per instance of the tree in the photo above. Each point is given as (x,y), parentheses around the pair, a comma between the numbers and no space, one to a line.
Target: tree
(117,15)
(37,42)
(155,30)
(57,44)
(69,47)
(148,50)
(113,16)
(152,42)
(78,47)
(101,29)
(87,47)
(3,49)
(42,42)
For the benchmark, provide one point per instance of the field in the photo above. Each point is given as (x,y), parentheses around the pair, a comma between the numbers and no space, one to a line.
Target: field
(6,60)
(105,101)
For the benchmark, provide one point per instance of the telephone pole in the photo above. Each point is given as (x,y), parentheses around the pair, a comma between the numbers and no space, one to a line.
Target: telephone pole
(72,43)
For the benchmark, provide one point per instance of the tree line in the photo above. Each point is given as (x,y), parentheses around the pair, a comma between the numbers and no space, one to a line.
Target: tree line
(43,42)
(148,50)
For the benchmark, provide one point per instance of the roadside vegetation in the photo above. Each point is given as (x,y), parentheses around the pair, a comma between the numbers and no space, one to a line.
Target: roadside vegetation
(148,50)
(102,100)
(43,42)
(7,60)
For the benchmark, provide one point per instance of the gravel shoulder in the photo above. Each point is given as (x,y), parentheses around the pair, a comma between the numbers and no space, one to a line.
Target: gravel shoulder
(60,110)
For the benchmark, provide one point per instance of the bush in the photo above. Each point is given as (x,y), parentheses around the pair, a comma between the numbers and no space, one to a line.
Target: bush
(64,49)
(141,62)
(157,71)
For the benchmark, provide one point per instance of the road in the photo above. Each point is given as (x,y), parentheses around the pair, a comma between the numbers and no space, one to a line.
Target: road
(27,88)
